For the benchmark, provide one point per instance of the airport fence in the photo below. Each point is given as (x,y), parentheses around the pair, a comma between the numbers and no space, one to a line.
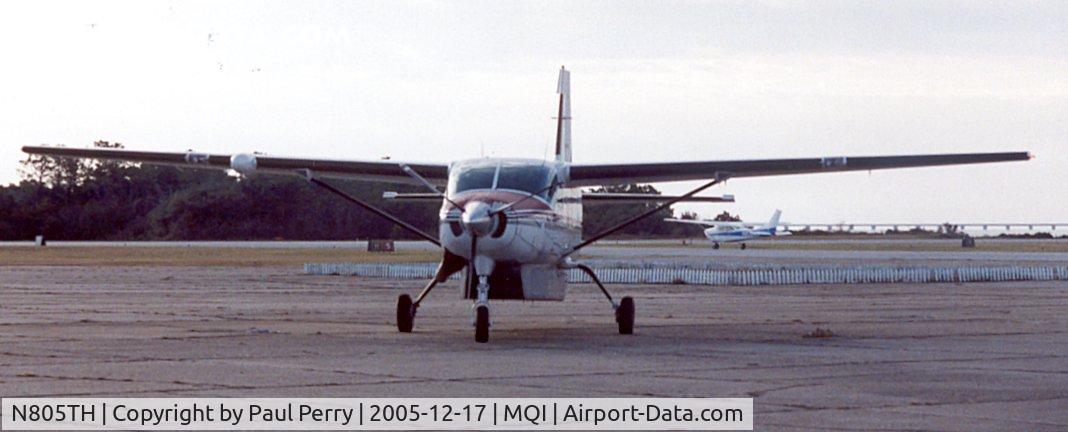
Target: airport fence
(736,277)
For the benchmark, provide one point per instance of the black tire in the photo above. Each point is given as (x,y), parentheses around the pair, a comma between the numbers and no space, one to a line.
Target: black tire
(405,318)
(625,316)
(482,324)
(715,245)
(743,246)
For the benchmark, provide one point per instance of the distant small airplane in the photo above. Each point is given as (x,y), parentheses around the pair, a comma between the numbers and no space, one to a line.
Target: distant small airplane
(736,231)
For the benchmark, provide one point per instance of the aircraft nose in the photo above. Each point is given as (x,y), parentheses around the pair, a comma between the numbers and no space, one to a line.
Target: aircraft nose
(477,219)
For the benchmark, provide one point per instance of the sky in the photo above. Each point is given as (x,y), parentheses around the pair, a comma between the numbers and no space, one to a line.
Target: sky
(651,81)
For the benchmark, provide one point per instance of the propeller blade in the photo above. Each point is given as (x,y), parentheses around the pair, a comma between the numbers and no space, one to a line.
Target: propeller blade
(412,173)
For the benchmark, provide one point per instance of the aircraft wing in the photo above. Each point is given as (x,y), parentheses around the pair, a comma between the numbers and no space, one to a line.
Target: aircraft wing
(709,223)
(610,174)
(385,171)
(610,197)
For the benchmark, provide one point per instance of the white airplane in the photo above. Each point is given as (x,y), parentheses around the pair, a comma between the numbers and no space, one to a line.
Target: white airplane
(731,232)
(516,224)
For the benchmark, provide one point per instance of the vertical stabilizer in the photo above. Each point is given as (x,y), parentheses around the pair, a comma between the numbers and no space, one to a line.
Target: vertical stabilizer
(563,117)
(774,222)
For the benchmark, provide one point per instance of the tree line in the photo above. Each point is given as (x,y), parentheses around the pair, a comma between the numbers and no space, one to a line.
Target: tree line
(78,199)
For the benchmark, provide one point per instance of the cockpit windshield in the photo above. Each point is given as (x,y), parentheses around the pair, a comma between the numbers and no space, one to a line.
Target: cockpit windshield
(518,177)
(469,178)
(525,178)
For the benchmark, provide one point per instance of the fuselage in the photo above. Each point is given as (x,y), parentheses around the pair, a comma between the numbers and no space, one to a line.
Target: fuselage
(728,234)
(542,222)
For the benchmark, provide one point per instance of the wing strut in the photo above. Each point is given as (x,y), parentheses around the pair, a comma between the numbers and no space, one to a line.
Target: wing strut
(719,179)
(311,178)
(408,170)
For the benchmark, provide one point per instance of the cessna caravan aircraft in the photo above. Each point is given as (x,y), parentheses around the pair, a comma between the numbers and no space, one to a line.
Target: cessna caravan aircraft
(516,224)
(734,231)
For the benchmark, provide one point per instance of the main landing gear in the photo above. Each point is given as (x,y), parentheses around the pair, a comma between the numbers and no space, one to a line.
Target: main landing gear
(625,316)
(406,308)
(624,309)
(715,245)
(405,314)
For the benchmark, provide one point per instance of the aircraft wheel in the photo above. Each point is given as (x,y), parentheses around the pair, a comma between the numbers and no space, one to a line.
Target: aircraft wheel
(405,318)
(482,324)
(715,245)
(625,316)
(743,246)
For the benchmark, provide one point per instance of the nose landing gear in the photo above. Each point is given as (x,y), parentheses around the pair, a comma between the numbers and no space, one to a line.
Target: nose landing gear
(482,324)
(482,305)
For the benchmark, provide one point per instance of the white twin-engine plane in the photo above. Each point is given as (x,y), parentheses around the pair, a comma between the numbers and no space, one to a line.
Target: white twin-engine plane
(515,224)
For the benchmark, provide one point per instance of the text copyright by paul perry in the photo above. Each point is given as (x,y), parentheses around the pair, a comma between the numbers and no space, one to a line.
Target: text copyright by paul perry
(378,413)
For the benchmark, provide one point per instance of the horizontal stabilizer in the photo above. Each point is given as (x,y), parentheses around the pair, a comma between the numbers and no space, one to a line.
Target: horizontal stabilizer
(635,197)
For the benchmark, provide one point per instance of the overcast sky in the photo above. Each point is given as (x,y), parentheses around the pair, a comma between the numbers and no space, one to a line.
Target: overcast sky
(651,81)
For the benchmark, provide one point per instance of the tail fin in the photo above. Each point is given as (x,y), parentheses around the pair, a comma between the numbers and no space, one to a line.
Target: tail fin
(774,222)
(563,117)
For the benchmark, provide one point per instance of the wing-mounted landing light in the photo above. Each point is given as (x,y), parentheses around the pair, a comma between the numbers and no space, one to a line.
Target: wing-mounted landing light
(243,163)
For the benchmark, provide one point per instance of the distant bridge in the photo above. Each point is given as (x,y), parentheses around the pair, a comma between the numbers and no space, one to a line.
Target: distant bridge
(935,227)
